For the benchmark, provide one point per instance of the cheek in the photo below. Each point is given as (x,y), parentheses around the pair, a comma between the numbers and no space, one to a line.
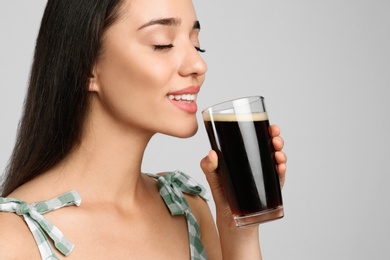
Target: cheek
(128,82)
(135,73)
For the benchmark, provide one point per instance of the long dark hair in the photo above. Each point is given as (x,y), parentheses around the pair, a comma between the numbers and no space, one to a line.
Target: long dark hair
(69,42)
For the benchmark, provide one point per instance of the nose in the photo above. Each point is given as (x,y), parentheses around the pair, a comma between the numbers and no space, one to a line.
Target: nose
(192,64)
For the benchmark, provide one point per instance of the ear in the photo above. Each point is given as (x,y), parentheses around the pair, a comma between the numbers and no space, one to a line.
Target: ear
(93,85)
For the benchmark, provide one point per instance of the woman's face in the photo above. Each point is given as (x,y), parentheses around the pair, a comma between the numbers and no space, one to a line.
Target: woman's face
(150,70)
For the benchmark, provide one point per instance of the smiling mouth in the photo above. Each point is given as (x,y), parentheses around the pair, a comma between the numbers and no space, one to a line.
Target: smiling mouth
(189,98)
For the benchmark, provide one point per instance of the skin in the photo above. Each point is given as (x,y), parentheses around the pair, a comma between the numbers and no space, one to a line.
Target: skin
(129,93)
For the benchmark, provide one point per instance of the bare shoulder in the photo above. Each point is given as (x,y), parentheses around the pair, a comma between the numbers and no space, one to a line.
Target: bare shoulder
(16,240)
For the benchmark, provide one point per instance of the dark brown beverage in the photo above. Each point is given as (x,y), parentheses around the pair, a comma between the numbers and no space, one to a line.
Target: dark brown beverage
(246,162)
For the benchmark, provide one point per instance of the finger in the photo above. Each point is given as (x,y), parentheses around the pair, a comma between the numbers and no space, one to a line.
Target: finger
(278,143)
(209,163)
(274,130)
(280,157)
(209,166)
(281,169)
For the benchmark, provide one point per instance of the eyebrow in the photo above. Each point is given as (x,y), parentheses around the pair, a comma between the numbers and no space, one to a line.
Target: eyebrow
(168,22)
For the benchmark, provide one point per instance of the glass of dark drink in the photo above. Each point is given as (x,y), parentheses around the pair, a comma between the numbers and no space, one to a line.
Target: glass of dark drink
(239,132)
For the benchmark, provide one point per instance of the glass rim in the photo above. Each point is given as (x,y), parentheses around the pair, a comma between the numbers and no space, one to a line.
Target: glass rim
(258,97)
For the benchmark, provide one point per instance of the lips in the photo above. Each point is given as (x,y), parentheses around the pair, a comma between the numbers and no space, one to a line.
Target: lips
(185,99)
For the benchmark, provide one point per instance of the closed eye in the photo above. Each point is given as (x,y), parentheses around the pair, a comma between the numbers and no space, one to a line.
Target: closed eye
(169,46)
(162,47)
(200,50)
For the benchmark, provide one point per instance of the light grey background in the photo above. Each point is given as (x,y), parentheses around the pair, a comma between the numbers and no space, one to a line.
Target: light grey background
(324,69)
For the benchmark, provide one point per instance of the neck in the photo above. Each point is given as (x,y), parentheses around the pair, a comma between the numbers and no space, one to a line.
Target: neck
(107,161)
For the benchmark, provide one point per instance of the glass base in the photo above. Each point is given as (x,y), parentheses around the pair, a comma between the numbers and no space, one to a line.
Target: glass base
(260,217)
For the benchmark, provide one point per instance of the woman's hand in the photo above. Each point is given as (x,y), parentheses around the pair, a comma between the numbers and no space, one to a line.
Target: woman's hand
(209,165)
(280,157)
(239,243)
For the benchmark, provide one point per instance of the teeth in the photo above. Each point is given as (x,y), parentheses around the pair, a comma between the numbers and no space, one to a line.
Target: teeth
(187,97)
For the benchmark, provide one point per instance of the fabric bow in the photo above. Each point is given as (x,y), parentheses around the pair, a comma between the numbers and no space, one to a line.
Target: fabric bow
(171,187)
(32,214)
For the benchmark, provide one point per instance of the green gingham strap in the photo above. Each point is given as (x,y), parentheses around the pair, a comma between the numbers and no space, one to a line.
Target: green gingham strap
(40,226)
(172,185)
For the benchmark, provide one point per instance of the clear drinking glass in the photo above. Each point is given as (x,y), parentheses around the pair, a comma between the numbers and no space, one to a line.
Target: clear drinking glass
(238,131)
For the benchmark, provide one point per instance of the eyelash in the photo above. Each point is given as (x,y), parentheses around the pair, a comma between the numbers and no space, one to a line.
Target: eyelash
(169,46)
(200,50)
(162,47)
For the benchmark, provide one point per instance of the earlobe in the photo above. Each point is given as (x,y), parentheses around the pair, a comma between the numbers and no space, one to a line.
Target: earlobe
(92,84)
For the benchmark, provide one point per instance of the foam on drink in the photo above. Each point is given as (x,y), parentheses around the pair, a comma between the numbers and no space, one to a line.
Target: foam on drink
(230,117)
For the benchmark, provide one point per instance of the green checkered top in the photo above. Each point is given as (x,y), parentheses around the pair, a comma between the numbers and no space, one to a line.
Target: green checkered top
(40,227)
(171,186)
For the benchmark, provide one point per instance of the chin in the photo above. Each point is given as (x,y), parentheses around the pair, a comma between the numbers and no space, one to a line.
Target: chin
(189,134)
(184,132)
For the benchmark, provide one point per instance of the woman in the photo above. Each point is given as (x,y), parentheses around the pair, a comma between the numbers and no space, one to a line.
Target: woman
(108,75)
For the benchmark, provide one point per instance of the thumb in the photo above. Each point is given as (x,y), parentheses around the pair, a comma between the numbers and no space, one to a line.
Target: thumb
(209,166)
